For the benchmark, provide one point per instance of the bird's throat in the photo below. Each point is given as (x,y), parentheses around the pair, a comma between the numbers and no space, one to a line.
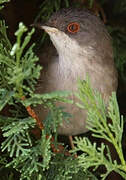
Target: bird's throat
(71,66)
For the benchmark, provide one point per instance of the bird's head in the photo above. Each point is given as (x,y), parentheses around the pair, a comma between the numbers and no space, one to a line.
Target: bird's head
(74,29)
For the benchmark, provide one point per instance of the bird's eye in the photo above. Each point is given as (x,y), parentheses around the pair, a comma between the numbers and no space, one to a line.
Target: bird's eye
(73,27)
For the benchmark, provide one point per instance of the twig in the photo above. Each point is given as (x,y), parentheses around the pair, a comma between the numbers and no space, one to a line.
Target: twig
(39,123)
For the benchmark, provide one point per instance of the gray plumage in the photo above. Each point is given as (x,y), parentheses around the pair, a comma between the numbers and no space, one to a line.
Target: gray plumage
(87,51)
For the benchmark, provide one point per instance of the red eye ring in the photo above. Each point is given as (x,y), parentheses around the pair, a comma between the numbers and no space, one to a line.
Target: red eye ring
(73,27)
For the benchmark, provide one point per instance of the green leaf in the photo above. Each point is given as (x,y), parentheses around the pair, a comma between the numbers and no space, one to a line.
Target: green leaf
(18,140)
(43,98)
(5,96)
(45,150)
(97,122)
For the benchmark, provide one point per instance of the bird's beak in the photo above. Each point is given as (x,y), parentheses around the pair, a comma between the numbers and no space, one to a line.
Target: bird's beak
(48,29)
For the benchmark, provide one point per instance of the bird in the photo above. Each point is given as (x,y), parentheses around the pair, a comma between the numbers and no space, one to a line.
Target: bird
(81,45)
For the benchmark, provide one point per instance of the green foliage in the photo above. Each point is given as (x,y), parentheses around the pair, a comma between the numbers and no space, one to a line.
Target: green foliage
(16,67)
(66,168)
(5,48)
(4,41)
(1,3)
(18,76)
(43,98)
(22,154)
(48,100)
(92,155)
(54,118)
(24,67)
(18,139)
(5,96)
(45,150)
(34,161)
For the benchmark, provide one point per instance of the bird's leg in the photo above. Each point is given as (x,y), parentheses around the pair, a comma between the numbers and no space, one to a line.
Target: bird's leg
(72,144)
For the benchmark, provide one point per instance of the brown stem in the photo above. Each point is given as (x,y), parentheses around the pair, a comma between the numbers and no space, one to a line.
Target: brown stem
(32,113)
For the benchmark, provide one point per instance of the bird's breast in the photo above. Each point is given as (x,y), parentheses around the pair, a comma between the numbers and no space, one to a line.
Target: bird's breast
(66,72)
